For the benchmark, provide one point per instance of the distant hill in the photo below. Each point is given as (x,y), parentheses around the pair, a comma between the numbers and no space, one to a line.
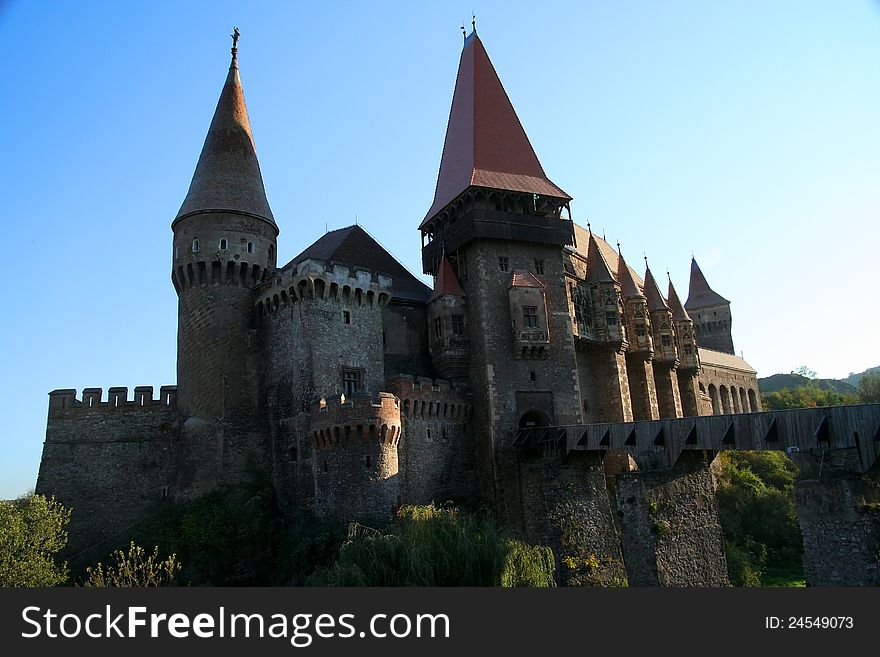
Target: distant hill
(853,379)
(777,382)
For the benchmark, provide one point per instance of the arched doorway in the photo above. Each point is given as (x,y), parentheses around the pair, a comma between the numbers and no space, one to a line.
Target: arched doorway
(534,419)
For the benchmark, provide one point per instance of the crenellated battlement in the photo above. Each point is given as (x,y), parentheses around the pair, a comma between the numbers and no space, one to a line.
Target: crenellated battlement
(329,281)
(338,420)
(434,398)
(64,403)
(230,272)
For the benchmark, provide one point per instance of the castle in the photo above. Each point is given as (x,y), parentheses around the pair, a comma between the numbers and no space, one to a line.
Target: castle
(357,388)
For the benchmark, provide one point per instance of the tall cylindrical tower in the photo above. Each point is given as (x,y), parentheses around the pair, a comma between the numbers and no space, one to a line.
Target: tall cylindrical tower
(224,243)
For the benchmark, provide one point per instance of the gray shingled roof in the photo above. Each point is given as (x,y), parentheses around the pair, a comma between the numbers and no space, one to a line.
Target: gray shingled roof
(353,246)
(227,176)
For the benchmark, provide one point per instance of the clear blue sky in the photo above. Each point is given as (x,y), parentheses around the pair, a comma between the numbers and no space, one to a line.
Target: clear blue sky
(746,132)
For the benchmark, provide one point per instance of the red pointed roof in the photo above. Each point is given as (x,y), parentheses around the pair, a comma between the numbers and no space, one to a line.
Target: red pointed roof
(652,293)
(227,177)
(628,285)
(524,278)
(446,284)
(678,311)
(485,145)
(700,295)
(598,270)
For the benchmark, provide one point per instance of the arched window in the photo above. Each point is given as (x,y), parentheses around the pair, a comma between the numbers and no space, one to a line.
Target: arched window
(250,247)
(271,253)
(195,246)
(223,244)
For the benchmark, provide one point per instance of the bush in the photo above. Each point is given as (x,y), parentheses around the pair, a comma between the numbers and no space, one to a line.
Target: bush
(758,517)
(32,532)
(135,568)
(433,546)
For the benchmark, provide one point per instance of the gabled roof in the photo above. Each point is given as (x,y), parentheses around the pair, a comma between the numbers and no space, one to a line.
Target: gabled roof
(652,292)
(353,246)
(227,177)
(485,144)
(524,278)
(628,285)
(714,358)
(446,284)
(678,311)
(700,295)
(598,270)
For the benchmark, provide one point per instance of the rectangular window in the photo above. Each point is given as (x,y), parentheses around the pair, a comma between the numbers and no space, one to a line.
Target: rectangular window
(438,328)
(346,316)
(459,265)
(640,330)
(539,266)
(504,263)
(687,350)
(664,339)
(533,376)
(611,319)
(530,317)
(458,325)
(350,382)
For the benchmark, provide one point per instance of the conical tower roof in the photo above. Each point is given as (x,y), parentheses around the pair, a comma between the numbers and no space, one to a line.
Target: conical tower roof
(598,270)
(678,311)
(485,145)
(227,177)
(652,292)
(700,295)
(446,284)
(628,285)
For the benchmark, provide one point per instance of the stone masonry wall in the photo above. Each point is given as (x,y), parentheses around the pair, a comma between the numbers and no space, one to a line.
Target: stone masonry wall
(670,527)
(567,507)
(437,449)
(840,522)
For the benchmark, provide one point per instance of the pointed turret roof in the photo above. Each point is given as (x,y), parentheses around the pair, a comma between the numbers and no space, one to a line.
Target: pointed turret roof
(700,295)
(485,145)
(227,177)
(355,246)
(598,270)
(446,284)
(652,292)
(628,285)
(678,311)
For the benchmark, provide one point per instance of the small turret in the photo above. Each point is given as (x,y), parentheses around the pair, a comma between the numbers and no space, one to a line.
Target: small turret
(607,303)
(447,325)
(224,243)
(638,329)
(661,322)
(685,338)
(710,313)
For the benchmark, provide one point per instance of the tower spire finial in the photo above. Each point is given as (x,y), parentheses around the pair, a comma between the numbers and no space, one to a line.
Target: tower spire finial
(235,34)
(474,21)
(590,229)
(463,31)
(618,248)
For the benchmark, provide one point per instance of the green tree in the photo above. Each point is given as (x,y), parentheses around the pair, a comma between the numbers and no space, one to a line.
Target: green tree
(806,396)
(432,546)
(803,370)
(869,388)
(32,532)
(135,568)
(758,517)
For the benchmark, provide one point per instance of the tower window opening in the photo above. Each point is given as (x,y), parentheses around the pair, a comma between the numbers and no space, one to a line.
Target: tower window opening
(687,350)
(530,316)
(611,319)
(195,246)
(438,328)
(350,381)
(250,247)
(367,461)
(539,266)
(665,341)
(503,263)
(640,330)
(458,325)
(346,316)
(533,376)
(176,251)
(223,244)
